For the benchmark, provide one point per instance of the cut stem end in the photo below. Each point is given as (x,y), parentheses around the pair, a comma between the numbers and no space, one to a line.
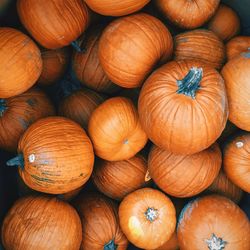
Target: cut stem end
(3,107)
(151,214)
(215,243)
(110,246)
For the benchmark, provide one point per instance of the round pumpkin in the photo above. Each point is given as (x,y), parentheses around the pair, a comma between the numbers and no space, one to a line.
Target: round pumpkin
(41,222)
(131,46)
(21,62)
(236,160)
(54,156)
(115,130)
(55,23)
(225,23)
(18,113)
(213,222)
(202,45)
(175,107)
(116,7)
(147,218)
(237,45)
(100,223)
(188,14)
(236,76)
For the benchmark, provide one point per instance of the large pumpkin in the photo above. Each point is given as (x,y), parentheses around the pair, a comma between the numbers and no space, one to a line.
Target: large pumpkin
(41,222)
(115,130)
(236,160)
(55,23)
(21,62)
(131,46)
(188,14)
(183,107)
(202,45)
(213,222)
(18,113)
(100,223)
(236,75)
(54,156)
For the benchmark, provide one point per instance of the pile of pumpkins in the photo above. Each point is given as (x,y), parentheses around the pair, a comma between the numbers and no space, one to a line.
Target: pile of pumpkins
(148,100)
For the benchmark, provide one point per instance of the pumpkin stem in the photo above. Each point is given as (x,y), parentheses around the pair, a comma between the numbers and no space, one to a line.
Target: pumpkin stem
(76,46)
(3,107)
(151,214)
(110,246)
(215,243)
(16,161)
(190,83)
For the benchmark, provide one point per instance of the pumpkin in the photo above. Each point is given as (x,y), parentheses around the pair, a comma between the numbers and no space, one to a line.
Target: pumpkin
(119,178)
(100,223)
(202,45)
(175,107)
(18,113)
(213,222)
(225,23)
(188,14)
(236,76)
(184,175)
(147,218)
(54,156)
(21,62)
(131,46)
(115,130)
(116,7)
(237,45)
(236,160)
(86,64)
(41,222)
(63,22)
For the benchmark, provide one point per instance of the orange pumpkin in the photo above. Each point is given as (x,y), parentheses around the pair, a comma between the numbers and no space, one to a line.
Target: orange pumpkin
(131,46)
(175,107)
(54,156)
(100,223)
(41,222)
(188,14)
(63,22)
(147,218)
(115,130)
(237,161)
(213,222)
(202,45)
(21,62)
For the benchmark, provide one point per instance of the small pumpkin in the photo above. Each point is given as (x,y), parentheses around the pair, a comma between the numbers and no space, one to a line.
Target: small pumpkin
(19,112)
(236,160)
(55,156)
(175,107)
(21,62)
(225,23)
(131,46)
(188,14)
(213,222)
(63,23)
(147,218)
(115,130)
(41,222)
(100,223)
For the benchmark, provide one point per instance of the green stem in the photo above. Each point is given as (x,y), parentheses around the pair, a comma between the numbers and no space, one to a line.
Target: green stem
(216,243)
(110,246)
(17,161)
(3,107)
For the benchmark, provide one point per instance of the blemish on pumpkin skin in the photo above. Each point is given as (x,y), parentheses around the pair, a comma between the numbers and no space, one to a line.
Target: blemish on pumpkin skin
(42,179)
(24,124)
(183,40)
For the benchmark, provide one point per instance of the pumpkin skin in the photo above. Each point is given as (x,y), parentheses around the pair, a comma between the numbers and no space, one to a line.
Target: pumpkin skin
(202,45)
(171,244)
(21,62)
(213,215)
(131,46)
(100,223)
(236,77)
(188,14)
(63,23)
(236,160)
(115,130)
(161,108)
(41,222)
(225,23)
(57,156)
(147,218)
(116,7)
(237,45)
(18,113)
